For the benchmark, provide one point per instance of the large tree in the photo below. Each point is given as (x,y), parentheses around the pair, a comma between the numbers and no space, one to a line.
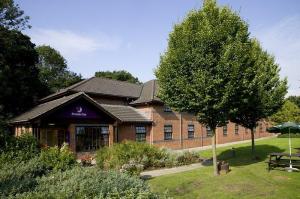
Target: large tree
(54,70)
(120,75)
(261,94)
(11,16)
(20,86)
(295,100)
(207,56)
(288,112)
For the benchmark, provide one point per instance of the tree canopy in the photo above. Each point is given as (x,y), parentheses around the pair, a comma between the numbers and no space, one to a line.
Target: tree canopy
(206,59)
(295,100)
(53,69)
(120,75)
(20,86)
(289,112)
(11,16)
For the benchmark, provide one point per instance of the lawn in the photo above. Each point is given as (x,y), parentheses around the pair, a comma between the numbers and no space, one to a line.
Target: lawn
(248,178)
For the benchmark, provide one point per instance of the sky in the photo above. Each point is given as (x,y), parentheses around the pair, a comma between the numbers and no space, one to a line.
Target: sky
(98,35)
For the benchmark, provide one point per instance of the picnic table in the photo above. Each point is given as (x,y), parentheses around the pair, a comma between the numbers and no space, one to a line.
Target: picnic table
(283,160)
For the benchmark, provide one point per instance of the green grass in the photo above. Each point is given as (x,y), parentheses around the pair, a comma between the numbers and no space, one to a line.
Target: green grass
(247,179)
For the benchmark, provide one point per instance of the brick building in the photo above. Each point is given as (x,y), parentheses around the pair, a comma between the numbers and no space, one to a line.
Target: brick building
(98,112)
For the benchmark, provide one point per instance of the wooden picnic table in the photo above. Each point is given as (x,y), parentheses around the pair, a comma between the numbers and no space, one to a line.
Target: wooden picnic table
(283,160)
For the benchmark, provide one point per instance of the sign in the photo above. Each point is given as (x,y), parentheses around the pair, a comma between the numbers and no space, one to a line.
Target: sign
(79,110)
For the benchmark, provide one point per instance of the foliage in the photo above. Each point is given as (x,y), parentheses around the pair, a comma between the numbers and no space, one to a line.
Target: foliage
(58,158)
(133,157)
(120,75)
(20,86)
(294,99)
(19,177)
(289,112)
(17,149)
(89,183)
(206,59)
(261,94)
(122,153)
(53,69)
(11,16)
(132,168)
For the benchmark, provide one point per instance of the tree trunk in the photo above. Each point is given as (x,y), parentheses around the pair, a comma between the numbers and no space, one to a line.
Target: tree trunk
(213,143)
(252,143)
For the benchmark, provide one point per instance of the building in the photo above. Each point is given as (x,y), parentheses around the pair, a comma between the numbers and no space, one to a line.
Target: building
(98,112)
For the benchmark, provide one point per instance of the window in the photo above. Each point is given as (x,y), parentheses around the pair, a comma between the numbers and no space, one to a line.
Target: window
(236,129)
(140,133)
(191,130)
(167,109)
(89,138)
(168,132)
(208,131)
(254,130)
(225,130)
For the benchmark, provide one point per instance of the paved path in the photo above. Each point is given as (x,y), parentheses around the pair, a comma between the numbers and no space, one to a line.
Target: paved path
(160,172)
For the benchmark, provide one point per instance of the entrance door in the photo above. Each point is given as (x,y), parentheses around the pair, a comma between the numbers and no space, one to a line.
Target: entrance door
(91,138)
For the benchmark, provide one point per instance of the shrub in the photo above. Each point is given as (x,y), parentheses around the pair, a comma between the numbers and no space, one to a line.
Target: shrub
(89,183)
(187,158)
(58,158)
(20,177)
(132,168)
(17,149)
(119,154)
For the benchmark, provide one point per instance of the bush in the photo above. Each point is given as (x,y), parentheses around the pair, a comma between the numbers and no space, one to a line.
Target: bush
(119,154)
(89,183)
(58,158)
(134,155)
(20,177)
(132,168)
(17,149)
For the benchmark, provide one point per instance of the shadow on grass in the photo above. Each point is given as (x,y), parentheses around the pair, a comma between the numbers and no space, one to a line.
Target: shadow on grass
(242,155)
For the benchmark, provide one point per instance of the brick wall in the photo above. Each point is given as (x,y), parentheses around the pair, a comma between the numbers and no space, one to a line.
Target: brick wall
(180,123)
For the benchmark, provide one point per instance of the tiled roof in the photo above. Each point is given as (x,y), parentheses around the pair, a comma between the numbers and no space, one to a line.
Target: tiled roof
(43,108)
(120,113)
(148,94)
(126,113)
(102,86)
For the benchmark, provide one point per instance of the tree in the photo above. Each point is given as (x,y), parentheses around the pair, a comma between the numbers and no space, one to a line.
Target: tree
(289,112)
(120,75)
(12,17)
(20,86)
(53,69)
(207,56)
(261,94)
(295,100)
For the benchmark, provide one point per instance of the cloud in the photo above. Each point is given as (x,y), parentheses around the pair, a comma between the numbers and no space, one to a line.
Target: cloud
(71,44)
(283,41)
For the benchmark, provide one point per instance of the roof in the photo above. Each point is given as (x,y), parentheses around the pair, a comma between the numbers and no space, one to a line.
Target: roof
(148,93)
(101,86)
(118,112)
(43,108)
(126,113)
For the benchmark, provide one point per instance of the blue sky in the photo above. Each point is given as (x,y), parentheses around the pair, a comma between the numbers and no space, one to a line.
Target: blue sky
(130,35)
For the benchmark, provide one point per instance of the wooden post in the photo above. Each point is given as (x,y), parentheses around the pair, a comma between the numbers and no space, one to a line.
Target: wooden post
(110,135)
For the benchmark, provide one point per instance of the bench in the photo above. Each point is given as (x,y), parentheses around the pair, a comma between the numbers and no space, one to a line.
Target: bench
(277,160)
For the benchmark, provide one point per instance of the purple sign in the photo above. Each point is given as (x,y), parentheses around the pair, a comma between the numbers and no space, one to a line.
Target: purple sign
(79,110)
